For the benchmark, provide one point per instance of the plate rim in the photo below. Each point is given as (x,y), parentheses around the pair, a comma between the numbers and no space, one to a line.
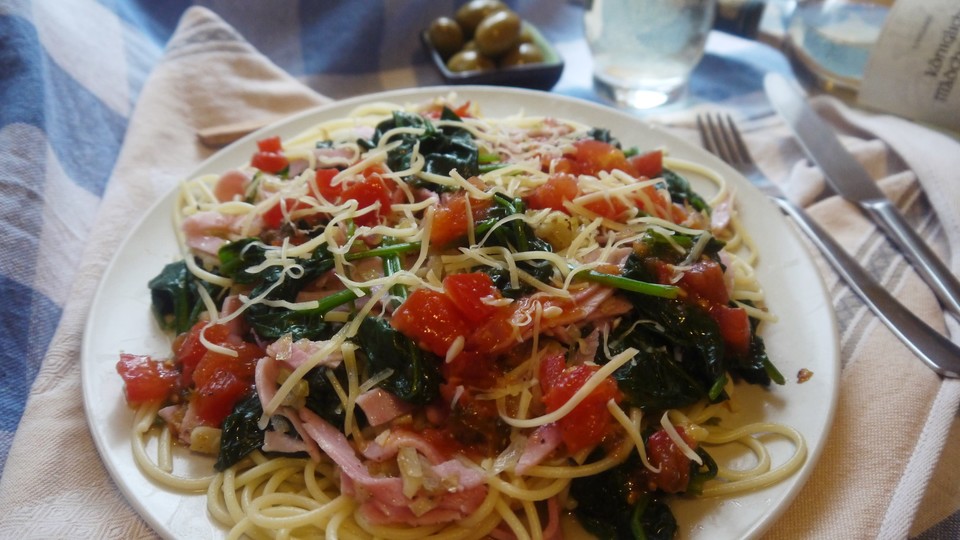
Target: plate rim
(798,480)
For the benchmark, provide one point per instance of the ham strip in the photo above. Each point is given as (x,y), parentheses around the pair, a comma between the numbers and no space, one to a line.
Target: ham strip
(544,440)
(381,406)
(382,501)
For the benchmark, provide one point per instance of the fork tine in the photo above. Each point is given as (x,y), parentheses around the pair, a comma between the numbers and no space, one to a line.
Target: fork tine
(712,136)
(737,143)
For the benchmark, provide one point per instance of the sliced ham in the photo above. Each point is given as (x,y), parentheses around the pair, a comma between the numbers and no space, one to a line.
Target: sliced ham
(460,492)
(544,440)
(387,446)
(207,231)
(381,406)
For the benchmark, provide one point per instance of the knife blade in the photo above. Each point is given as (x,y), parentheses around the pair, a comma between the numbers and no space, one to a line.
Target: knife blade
(852,181)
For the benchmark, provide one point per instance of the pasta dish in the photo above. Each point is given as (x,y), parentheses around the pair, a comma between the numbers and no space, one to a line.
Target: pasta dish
(418,322)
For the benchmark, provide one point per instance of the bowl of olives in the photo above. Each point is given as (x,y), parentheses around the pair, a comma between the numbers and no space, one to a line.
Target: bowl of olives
(485,42)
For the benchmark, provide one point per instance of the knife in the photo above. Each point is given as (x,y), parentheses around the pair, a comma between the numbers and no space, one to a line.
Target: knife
(852,181)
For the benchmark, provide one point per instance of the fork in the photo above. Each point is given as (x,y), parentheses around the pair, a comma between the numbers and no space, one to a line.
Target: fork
(720,136)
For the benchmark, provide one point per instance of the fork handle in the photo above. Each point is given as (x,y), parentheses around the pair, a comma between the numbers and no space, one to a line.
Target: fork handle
(938,352)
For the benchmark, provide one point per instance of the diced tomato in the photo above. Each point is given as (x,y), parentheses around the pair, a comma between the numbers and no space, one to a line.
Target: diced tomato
(590,421)
(494,333)
(647,165)
(270,162)
(674,465)
(322,186)
(468,291)
(146,379)
(221,380)
(704,279)
(188,349)
(270,156)
(368,192)
(610,208)
(552,194)
(593,156)
(270,144)
(274,217)
(430,319)
(450,220)
(471,368)
(734,328)
(215,400)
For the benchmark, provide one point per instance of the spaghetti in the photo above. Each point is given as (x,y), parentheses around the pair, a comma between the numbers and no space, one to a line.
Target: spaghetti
(416,322)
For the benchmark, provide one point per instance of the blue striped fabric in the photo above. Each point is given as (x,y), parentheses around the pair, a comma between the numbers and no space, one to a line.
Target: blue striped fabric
(70,74)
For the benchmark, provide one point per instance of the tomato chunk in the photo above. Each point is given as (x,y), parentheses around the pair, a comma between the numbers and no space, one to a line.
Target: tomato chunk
(431,319)
(270,156)
(146,379)
(469,292)
(368,192)
(590,421)
(734,328)
(450,221)
(552,194)
(322,185)
(189,350)
(674,465)
(277,214)
(647,165)
(593,156)
(704,280)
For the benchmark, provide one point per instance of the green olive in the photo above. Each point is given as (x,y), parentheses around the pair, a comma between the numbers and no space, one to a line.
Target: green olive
(521,54)
(469,61)
(445,35)
(526,35)
(470,14)
(498,33)
(469,46)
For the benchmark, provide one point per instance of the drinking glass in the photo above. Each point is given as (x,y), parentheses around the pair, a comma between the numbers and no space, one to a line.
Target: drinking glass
(644,50)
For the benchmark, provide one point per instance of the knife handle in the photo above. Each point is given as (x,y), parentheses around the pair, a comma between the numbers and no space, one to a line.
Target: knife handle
(938,352)
(931,269)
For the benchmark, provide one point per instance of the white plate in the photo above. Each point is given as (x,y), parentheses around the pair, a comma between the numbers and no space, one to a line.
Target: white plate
(804,337)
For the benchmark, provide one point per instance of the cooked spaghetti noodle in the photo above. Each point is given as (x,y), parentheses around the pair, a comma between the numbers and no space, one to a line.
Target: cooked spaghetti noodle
(416,322)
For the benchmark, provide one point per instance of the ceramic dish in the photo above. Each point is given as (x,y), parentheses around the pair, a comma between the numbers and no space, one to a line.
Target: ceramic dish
(804,337)
(540,76)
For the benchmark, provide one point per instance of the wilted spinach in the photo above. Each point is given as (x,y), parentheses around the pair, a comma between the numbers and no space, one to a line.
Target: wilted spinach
(609,506)
(654,379)
(443,149)
(681,191)
(322,398)
(516,236)
(240,434)
(175,298)
(415,377)
(272,322)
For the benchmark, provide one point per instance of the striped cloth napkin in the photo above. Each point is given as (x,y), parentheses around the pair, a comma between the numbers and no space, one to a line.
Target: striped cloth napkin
(882,473)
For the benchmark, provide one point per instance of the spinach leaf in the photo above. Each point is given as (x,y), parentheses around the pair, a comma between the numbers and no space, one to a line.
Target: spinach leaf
(273,322)
(443,149)
(687,326)
(415,378)
(610,506)
(240,435)
(654,379)
(700,474)
(173,294)
(322,398)
(236,257)
(516,236)
(756,367)
(603,135)
(681,191)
